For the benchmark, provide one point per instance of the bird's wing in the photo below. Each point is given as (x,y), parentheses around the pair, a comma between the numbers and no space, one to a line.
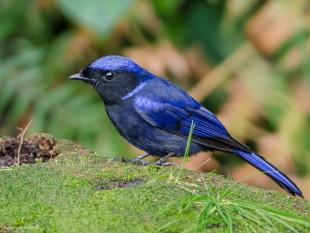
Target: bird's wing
(177,117)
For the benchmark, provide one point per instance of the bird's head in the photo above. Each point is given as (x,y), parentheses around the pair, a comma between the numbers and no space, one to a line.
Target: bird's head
(113,77)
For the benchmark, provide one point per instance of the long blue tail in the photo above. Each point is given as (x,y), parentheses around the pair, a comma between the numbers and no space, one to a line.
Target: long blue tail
(261,164)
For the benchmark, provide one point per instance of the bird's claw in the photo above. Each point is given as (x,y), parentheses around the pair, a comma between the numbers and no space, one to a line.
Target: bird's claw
(171,164)
(139,159)
(119,159)
(136,160)
(162,160)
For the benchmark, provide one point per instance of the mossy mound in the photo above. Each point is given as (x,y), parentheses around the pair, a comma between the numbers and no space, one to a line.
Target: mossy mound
(80,191)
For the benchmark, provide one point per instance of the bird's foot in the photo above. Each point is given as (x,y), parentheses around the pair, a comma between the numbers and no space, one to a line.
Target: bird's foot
(138,159)
(161,161)
(170,164)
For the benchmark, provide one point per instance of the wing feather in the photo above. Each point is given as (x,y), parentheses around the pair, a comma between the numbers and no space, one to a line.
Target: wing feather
(177,117)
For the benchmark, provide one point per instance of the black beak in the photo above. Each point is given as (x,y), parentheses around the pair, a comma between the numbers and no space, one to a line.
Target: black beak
(78,77)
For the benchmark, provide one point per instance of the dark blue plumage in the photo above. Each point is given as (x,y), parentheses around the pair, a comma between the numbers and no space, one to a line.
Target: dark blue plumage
(156,116)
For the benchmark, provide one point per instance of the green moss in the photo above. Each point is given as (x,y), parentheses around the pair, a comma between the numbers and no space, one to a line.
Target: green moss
(80,191)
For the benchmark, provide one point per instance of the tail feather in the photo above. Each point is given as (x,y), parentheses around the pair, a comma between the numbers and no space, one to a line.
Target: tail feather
(261,164)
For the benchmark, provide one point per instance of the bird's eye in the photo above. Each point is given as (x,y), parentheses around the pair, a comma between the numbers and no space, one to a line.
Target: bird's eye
(108,76)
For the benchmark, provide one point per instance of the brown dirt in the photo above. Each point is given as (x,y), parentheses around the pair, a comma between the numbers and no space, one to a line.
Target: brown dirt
(37,148)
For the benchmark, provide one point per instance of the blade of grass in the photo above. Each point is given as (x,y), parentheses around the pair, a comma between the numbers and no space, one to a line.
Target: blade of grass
(186,153)
(233,212)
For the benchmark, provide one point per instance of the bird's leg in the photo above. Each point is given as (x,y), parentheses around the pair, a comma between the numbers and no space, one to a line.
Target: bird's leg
(162,160)
(138,159)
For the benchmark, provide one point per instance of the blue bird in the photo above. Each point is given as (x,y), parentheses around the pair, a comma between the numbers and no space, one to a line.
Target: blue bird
(156,116)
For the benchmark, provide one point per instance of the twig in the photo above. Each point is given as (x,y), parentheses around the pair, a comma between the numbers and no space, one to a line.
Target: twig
(23,131)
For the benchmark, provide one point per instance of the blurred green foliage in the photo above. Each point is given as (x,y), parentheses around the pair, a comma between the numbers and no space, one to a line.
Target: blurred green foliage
(261,97)
(99,16)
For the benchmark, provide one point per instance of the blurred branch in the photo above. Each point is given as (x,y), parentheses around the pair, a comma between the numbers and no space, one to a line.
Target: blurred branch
(220,73)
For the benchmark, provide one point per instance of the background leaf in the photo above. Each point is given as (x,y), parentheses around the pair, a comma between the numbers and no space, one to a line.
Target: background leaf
(99,16)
